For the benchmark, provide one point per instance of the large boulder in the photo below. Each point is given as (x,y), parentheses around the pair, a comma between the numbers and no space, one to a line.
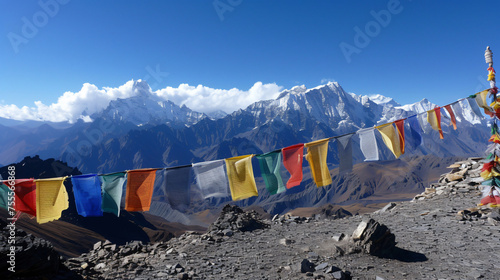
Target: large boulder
(374,239)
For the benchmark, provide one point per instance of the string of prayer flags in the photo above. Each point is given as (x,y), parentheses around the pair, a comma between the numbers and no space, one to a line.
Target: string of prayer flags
(87,191)
(368,143)
(452,116)
(51,199)
(241,178)
(391,139)
(5,193)
(317,152)
(25,196)
(415,129)
(490,172)
(139,191)
(211,178)
(270,164)
(434,119)
(293,157)
(344,148)
(112,190)
(177,190)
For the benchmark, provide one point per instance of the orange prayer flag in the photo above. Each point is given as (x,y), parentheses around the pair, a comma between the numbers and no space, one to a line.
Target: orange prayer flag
(140,185)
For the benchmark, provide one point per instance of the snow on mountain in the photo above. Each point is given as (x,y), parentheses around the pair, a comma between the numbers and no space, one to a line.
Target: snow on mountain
(380,99)
(147,108)
(328,104)
(343,112)
(218,114)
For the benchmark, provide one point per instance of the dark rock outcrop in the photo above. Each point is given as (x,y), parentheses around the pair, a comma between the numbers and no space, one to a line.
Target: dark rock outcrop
(33,257)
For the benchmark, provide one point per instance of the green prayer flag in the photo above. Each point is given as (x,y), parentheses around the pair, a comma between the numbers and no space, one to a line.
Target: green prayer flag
(270,164)
(5,192)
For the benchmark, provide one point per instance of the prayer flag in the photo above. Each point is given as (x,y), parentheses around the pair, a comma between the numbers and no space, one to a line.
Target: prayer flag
(434,119)
(400,127)
(51,199)
(241,178)
(87,191)
(344,148)
(317,153)
(368,143)
(475,108)
(5,193)
(112,190)
(292,160)
(25,196)
(211,178)
(270,164)
(481,99)
(390,138)
(177,183)
(139,191)
(415,129)
(452,116)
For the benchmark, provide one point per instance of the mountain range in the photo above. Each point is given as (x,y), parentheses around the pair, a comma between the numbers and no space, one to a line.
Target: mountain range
(145,131)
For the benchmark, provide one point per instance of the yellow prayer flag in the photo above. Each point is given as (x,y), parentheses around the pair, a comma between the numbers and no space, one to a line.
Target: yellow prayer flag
(435,121)
(51,199)
(391,138)
(317,153)
(481,99)
(240,175)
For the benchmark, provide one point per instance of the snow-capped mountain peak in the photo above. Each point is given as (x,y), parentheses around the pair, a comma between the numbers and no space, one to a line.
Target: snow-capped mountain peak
(146,107)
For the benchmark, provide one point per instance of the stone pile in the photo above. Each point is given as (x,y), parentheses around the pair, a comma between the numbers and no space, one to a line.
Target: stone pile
(233,219)
(464,179)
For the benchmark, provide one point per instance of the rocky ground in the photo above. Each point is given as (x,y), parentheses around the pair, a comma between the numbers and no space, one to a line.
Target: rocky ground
(438,235)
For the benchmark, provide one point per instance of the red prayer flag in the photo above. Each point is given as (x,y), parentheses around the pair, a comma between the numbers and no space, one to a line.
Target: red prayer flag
(400,125)
(452,116)
(25,196)
(140,185)
(292,160)
(438,116)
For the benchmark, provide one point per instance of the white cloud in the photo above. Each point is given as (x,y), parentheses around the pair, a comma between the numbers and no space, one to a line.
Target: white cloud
(326,81)
(72,106)
(205,99)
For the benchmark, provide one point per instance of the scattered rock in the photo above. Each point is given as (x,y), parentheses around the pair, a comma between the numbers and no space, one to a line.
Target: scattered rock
(306,266)
(338,237)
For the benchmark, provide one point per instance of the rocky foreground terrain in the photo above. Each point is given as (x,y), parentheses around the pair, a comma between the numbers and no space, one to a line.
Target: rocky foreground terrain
(440,234)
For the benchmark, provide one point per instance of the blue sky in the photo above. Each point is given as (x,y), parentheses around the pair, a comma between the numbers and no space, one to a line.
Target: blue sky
(427,49)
